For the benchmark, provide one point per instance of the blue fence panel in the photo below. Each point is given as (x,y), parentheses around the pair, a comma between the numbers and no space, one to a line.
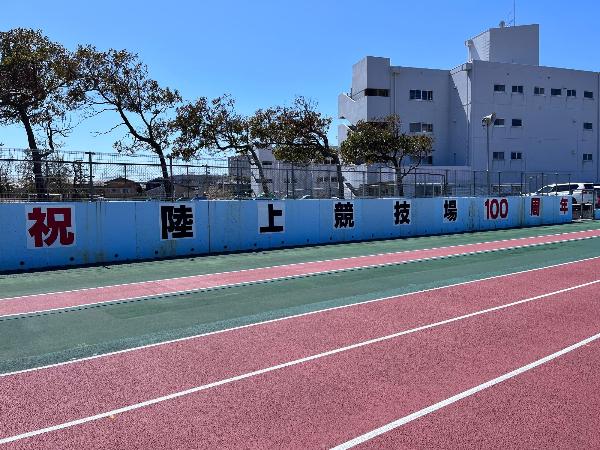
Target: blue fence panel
(117,231)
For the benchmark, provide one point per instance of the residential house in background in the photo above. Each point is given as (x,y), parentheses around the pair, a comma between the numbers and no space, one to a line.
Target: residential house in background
(121,188)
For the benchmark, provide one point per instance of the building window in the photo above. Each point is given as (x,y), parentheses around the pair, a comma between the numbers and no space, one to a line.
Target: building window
(588,94)
(418,127)
(587,157)
(517,89)
(499,122)
(571,93)
(415,127)
(267,163)
(517,122)
(428,160)
(538,90)
(370,92)
(418,94)
(498,156)
(427,127)
(587,125)
(516,155)
(555,92)
(499,88)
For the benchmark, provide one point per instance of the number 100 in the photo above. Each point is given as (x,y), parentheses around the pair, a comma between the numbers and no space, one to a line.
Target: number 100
(495,208)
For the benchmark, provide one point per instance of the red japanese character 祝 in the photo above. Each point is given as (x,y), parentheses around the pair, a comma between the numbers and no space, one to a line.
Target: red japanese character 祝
(51,225)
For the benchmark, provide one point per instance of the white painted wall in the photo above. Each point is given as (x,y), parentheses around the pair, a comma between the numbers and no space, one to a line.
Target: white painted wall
(435,111)
(517,45)
(552,137)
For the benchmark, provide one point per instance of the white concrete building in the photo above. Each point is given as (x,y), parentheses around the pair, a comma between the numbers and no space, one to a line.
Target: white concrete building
(547,119)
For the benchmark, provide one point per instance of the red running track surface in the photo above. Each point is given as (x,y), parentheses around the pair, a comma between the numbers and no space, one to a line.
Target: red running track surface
(556,406)
(318,403)
(68,299)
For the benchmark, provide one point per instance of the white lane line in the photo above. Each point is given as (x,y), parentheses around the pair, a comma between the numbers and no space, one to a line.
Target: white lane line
(304,263)
(280,319)
(295,362)
(276,278)
(474,390)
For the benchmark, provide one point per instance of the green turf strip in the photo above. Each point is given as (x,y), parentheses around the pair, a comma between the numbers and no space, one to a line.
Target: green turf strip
(77,278)
(31,341)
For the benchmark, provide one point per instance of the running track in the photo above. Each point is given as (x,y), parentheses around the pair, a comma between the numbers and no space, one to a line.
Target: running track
(325,378)
(82,297)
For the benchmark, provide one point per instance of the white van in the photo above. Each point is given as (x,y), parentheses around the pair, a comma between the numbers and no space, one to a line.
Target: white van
(581,192)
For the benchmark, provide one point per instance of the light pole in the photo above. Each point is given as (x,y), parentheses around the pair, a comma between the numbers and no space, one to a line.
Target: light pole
(486,122)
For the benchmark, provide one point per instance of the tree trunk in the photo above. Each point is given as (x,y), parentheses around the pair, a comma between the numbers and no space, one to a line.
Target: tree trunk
(40,183)
(261,173)
(340,176)
(399,181)
(165,172)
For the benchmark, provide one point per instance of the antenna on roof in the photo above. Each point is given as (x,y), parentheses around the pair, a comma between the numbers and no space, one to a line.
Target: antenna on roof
(511,18)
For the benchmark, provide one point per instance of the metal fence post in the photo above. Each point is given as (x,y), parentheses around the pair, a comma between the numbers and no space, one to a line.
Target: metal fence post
(287,183)
(446,181)
(47,182)
(499,183)
(522,174)
(90,167)
(293,182)
(237,171)
(188,183)
(171,185)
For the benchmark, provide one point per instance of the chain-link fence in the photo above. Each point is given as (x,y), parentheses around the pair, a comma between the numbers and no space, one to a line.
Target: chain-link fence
(71,175)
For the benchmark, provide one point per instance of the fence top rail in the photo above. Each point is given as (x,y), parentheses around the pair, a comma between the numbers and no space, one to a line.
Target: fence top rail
(106,156)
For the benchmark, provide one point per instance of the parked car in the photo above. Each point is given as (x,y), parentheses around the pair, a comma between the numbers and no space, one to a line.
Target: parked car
(580,192)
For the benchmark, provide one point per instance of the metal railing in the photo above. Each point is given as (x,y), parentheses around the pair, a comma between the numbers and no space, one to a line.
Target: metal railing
(93,176)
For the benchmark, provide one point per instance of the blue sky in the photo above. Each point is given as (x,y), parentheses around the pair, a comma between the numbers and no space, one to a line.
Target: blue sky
(265,52)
